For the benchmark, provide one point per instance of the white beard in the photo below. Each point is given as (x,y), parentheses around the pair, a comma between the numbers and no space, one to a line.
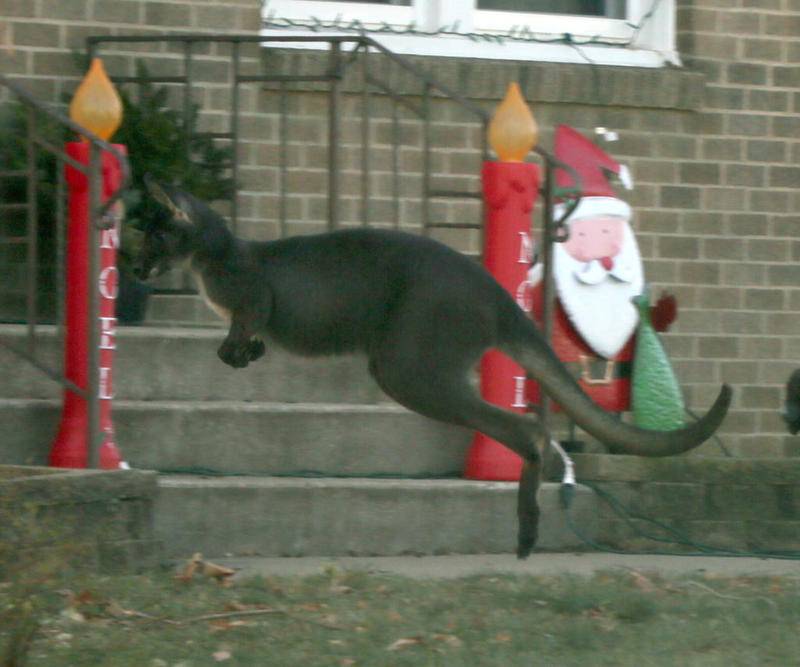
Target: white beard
(598,302)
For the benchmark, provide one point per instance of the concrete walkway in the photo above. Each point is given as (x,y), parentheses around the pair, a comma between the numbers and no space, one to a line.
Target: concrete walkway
(539,564)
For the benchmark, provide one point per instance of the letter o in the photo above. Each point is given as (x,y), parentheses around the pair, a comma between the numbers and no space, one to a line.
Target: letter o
(108,282)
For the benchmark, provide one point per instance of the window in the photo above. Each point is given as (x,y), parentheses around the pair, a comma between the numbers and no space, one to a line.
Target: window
(611,32)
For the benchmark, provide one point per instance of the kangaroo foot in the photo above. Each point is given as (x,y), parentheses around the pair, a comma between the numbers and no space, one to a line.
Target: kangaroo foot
(234,353)
(255,349)
(527,510)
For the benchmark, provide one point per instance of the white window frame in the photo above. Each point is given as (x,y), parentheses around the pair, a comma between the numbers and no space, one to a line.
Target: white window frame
(652,46)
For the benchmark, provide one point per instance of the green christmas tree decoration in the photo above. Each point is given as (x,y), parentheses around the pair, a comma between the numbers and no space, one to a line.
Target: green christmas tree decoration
(657,401)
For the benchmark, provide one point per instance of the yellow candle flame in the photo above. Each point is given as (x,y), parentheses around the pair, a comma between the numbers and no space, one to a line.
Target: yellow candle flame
(513,131)
(96,104)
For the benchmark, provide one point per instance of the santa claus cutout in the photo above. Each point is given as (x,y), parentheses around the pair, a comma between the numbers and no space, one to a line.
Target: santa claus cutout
(596,272)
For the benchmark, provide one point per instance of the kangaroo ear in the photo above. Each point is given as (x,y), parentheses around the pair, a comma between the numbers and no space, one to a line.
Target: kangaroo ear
(158,193)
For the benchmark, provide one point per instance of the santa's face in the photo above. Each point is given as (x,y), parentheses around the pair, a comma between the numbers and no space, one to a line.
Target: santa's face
(595,238)
(596,272)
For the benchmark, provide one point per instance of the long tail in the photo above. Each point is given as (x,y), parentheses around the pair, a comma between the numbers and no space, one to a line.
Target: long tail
(525,344)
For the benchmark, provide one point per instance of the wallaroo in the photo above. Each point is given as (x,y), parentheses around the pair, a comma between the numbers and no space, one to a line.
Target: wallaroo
(423,313)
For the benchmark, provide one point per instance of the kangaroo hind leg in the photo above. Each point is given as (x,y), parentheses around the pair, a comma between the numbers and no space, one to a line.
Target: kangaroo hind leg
(438,387)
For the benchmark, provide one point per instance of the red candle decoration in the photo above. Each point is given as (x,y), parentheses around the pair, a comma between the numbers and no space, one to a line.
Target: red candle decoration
(510,187)
(96,107)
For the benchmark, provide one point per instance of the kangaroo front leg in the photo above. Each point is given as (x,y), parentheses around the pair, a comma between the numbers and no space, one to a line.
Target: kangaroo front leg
(240,348)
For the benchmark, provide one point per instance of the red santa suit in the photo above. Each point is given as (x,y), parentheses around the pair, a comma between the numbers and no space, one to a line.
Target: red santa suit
(596,273)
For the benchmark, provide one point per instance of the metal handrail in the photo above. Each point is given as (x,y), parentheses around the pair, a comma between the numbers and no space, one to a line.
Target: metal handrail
(339,60)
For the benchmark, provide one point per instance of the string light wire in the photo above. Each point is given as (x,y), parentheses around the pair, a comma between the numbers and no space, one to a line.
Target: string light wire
(516,33)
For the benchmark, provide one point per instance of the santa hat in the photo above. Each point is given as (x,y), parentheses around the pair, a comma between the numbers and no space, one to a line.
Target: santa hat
(593,165)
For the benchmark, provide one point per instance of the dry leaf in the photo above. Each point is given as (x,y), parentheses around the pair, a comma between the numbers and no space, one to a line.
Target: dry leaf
(341,590)
(190,568)
(217,571)
(641,582)
(450,640)
(222,656)
(607,625)
(196,564)
(221,625)
(502,637)
(85,597)
(113,608)
(404,643)
(72,614)
(347,662)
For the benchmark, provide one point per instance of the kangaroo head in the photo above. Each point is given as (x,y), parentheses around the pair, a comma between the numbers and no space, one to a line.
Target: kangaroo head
(169,236)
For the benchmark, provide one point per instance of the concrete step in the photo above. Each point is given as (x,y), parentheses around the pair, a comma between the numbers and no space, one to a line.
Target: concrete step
(181,364)
(360,517)
(238,437)
(180,310)
(280,438)
(178,303)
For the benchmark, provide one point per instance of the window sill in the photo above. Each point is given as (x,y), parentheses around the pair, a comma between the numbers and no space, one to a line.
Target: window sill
(550,82)
(458,46)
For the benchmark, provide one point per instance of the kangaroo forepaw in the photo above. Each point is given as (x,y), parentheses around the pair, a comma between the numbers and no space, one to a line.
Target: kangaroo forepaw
(255,349)
(234,354)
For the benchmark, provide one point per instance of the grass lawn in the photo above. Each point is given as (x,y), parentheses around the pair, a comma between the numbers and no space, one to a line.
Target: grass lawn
(343,619)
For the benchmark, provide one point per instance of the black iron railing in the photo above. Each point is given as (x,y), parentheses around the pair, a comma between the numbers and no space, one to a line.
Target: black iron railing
(346,55)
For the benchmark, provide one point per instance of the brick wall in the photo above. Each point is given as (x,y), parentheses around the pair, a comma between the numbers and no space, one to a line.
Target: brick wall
(38,37)
(713,148)
(743,173)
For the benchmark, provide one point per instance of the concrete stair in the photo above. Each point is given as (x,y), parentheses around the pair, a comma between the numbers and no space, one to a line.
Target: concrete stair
(310,458)
(179,310)
(255,438)
(355,517)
